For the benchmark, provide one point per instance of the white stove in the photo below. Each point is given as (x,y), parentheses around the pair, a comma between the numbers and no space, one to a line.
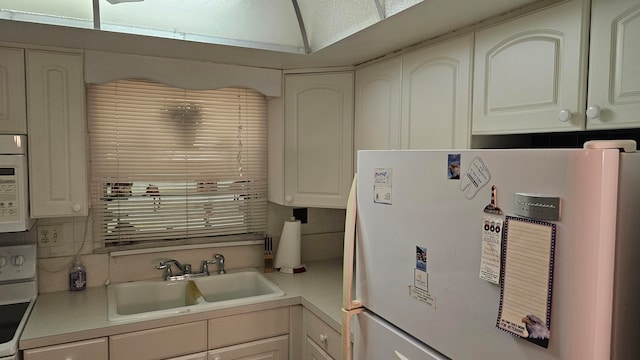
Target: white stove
(18,293)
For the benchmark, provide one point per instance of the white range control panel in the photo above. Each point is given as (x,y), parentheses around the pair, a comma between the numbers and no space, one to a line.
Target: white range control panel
(17,262)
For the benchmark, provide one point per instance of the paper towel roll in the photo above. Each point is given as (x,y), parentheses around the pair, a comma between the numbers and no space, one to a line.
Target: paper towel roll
(288,253)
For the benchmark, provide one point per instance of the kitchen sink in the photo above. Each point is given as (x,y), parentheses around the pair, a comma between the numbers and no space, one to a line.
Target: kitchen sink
(152,299)
(237,287)
(143,299)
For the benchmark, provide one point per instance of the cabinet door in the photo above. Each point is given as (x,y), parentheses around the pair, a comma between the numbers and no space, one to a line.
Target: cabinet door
(198,356)
(313,352)
(378,102)
(95,349)
(242,328)
(13,107)
(530,72)
(318,139)
(614,65)
(160,343)
(321,335)
(57,134)
(268,349)
(436,85)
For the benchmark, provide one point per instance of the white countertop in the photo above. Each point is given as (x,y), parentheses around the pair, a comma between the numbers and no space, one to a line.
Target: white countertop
(66,316)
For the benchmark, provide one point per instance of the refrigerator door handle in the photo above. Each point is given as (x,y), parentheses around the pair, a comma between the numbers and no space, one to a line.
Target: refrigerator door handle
(349,307)
(349,250)
(346,332)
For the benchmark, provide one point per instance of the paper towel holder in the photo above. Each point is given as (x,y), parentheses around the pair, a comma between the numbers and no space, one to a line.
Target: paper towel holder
(287,259)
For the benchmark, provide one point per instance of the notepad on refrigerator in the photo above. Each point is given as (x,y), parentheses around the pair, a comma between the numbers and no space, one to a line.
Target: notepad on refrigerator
(526,278)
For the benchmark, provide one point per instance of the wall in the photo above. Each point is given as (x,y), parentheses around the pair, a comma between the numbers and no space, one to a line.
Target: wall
(321,239)
(321,236)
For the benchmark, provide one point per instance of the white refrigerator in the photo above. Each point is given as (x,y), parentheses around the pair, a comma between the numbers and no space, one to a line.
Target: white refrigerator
(494,254)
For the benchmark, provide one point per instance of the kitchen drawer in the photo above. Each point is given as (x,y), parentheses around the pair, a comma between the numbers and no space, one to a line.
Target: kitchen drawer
(160,343)
(236,329)
(95,349)
(276,348)
(198,356)
(314,352)
(322,334)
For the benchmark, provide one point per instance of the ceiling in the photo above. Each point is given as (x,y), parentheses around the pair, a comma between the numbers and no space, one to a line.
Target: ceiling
(353,32)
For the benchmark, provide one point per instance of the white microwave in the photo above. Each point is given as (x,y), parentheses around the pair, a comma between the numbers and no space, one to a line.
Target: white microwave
(14,184)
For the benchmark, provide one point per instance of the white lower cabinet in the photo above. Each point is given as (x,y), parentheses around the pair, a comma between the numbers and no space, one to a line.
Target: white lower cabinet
(198,356)
(94,349)
(314,352)
(257,335)
(321,341)
(243,328)
(160,343)
(276,348)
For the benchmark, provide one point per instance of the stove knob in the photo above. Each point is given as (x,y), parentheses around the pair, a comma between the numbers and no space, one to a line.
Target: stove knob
(17,260)
(3,261)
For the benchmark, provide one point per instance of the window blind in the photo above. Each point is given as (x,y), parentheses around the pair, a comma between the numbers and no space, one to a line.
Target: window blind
(174,166)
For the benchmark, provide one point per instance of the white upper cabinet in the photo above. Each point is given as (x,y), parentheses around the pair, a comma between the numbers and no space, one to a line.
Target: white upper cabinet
(614,65)
(13,107)
(420,100)
(436,84)
(318,139)
(378,103)
(530,72)
(57,134)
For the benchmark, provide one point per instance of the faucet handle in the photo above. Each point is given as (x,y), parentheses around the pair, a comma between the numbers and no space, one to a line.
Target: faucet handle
(167,270)
(205,266)
(187,269)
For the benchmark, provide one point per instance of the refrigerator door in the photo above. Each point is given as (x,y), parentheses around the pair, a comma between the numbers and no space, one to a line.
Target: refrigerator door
(424,207)
(387,342)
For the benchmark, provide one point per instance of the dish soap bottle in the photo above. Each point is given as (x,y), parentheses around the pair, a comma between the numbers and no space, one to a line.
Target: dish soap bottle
(77,276)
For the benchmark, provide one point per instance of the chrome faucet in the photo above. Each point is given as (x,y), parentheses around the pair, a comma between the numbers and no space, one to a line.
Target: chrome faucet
(186,271)
(220,259)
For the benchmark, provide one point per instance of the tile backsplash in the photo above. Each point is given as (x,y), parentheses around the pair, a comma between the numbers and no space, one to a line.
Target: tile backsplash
(321,239)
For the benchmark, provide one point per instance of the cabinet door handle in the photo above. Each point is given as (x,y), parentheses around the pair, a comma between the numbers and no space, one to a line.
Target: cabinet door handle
(593,112)
(288,198)
(76,207)
(564,115)
(323,339)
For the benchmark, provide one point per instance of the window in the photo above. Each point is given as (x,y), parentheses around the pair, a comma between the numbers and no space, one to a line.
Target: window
(173,166)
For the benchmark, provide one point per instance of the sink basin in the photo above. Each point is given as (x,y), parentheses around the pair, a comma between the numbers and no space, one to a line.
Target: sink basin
(236,287)
(152,299)
(147,299)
